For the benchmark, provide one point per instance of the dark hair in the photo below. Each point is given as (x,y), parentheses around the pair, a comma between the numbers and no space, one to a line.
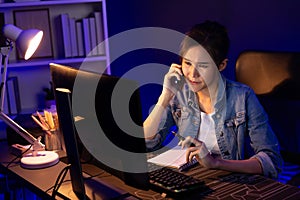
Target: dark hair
(212,36)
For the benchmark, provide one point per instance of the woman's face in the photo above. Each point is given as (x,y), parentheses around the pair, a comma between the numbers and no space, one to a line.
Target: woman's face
(199,69)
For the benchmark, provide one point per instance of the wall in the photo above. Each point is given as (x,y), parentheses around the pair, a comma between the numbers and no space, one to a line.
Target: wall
(32,81)
(255,24)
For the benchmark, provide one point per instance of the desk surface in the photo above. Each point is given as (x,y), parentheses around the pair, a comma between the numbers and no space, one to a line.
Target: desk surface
(40,180)
(222,184)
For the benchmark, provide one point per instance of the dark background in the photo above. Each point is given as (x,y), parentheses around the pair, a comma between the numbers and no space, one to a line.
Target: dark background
(256,24)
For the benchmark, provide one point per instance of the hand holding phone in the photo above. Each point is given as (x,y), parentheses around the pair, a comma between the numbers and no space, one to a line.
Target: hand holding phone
(174,79)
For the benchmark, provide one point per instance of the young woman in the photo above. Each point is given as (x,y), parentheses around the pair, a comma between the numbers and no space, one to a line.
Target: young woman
(223,119)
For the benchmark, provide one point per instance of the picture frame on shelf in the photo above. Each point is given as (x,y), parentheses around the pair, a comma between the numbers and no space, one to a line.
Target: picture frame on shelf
(38,19)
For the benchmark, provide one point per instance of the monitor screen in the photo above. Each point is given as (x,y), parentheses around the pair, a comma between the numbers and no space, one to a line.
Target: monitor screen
(110,122)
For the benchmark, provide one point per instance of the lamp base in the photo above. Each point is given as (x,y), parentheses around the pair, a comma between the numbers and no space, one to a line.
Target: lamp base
(43,159)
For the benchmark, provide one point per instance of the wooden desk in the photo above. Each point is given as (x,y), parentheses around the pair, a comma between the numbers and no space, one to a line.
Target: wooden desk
(228,185)
(41,181)
(102,185)
(38,180)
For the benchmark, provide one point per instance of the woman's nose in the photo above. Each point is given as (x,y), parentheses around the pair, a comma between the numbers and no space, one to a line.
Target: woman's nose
(194,71)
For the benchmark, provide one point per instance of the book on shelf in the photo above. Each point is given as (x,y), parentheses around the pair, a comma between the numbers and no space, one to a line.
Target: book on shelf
(2,23)
(174,158)
(79,38)
(86,36)
(12,98)
(99,31)
(73,37)
(93,37)
(65,27)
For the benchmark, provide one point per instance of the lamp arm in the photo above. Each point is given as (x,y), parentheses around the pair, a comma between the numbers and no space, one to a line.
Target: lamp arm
(37,145)
(17,128)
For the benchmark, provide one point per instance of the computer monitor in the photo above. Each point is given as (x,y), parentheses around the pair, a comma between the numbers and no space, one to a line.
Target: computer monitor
(66,120)
(98,106)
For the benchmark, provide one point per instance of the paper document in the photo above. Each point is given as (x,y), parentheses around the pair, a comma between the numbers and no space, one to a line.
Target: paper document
(175,157)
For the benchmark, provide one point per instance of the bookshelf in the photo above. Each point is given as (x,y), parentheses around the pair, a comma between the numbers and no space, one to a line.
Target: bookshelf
(76,9)
(34,74)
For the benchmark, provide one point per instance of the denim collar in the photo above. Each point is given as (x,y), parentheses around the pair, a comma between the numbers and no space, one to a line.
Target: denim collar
(192,98)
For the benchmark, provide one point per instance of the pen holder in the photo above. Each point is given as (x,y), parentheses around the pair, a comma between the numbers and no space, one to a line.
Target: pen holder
(53,138)
(54,141)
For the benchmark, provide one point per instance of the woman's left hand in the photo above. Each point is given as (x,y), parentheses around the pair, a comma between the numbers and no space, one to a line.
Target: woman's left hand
(198,150)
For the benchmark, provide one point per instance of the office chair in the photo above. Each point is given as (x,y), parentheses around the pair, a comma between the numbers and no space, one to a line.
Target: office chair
(275,79)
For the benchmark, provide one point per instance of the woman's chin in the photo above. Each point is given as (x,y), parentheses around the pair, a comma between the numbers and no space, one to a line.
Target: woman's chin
(195,88)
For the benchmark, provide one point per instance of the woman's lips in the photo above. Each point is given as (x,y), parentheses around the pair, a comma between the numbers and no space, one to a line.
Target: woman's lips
(194,82)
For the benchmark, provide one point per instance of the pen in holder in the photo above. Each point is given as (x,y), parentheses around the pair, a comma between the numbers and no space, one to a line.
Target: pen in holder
(53,137)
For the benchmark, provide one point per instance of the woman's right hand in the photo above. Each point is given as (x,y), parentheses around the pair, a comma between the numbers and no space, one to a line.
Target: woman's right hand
(173,80)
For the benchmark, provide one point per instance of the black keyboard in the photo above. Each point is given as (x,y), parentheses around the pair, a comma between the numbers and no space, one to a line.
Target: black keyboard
(172,182)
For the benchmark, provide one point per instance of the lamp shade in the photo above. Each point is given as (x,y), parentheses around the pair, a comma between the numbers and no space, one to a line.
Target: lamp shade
(26,41)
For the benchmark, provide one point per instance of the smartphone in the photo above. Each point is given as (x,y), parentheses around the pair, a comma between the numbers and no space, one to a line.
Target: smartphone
(178,84)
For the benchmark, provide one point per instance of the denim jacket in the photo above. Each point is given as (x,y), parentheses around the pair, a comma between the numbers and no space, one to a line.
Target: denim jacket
(241,124)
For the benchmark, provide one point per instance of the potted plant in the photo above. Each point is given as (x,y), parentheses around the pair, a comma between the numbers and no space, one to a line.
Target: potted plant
(49,98)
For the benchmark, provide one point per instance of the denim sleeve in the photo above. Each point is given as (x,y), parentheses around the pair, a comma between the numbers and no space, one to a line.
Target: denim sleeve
(152,144)
(166,123)
(263,139)
(269,170)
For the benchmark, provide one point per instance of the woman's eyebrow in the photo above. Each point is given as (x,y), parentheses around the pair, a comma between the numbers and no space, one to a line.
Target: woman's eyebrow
(201,63)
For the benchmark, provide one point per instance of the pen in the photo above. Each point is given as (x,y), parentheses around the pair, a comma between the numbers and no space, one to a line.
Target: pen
(49,119)
(181,138)
(187,165)
(42,120)
(41,125)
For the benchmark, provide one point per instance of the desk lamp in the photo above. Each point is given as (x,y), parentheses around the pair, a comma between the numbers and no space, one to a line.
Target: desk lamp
(27,42)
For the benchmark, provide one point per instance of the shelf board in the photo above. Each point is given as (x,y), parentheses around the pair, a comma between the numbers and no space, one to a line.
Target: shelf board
(45,3)
(43,62)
